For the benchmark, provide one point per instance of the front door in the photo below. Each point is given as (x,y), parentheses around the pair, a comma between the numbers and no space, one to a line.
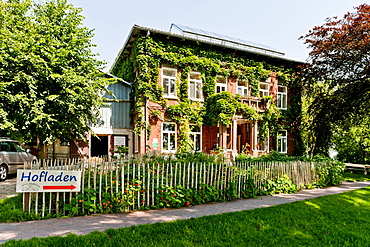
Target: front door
(244,138)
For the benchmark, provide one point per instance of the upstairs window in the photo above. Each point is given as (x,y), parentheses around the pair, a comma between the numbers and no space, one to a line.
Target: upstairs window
(195,136)
(195,86)
(221,84)
(243,88)
(264,89)
(169,82)
(282,97)
(282,140)
(169,137)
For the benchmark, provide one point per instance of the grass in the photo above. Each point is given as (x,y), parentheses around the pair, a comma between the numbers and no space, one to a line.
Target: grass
(11,210)
(356,177)
(335,220)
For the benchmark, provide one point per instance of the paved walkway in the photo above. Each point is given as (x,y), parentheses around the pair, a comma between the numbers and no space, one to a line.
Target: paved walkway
(86,224)
(7,187)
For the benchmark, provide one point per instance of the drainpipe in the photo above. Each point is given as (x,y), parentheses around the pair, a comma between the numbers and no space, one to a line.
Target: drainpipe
(146,124)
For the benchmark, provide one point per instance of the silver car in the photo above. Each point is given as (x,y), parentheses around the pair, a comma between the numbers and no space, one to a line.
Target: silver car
(12,157)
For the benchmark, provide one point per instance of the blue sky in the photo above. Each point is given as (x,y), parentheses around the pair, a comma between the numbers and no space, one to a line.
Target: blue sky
(276,23)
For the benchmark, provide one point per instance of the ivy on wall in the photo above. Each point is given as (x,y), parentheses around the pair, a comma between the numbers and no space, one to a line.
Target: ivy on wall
(142,65)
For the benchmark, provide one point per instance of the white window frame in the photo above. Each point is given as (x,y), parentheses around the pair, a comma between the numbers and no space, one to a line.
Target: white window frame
(243,89)
(193,137)
(169,134)
(221,85)
(282,141)
(282,97)
(264,92)
(171,81)
(197,87)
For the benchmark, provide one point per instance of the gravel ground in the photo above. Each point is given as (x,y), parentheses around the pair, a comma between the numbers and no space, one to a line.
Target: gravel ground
(7,187)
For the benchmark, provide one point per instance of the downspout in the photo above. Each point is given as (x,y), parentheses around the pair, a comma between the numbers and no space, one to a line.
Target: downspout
(146,125)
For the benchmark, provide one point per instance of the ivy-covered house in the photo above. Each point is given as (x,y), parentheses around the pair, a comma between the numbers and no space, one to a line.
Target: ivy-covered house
(194,90)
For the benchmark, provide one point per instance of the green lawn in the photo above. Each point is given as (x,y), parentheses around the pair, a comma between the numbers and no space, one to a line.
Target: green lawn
(353,177)
(336,220)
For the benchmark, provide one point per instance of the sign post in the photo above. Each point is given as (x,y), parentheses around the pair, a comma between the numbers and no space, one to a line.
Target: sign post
(48,181)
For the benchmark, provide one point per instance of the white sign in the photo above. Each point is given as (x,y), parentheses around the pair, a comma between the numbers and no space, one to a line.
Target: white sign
(155,142)
(48,181)
(120,141)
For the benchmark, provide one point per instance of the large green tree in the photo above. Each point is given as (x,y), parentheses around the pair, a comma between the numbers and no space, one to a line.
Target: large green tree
(338,75)
(352,140)
(51,84)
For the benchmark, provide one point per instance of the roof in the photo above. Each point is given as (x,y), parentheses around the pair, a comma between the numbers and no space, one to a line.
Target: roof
(224,39)
(118,79)
(207,37)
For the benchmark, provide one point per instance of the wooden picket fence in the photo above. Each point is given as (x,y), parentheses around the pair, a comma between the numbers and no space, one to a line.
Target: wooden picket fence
(101,177)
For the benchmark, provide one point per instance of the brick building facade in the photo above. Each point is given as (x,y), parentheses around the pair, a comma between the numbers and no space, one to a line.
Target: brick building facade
(174,74)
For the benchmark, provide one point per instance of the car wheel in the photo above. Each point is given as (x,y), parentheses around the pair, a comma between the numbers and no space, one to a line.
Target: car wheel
(3,172)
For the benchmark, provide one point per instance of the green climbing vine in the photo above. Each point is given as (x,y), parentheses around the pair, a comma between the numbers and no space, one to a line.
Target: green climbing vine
(149,54)
(184,114)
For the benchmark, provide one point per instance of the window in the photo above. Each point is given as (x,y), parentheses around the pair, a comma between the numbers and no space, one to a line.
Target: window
(195,86)
(282,140)
(282,97)
(169,137)
(221,84)
(64,142)
(264,89)
(242,88)
(7,146)
(169,82)
(196,137)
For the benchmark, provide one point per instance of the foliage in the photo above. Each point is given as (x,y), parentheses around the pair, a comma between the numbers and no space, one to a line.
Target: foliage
(281,185)
(50,80)
(11,210)
(338,60)
(198,157)
(187,157)
(352,140)
(111,202)
(121,151)
(184,114)
(329,173)
(222,107)
(272,156)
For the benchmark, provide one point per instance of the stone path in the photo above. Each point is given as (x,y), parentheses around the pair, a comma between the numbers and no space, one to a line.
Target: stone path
(7,187)
(86,224)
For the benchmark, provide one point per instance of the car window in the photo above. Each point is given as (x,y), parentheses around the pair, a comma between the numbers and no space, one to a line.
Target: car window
(5,146)
(17,147)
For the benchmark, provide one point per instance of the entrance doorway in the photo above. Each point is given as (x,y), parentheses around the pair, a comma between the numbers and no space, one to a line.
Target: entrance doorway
(99,146)
(244,136)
